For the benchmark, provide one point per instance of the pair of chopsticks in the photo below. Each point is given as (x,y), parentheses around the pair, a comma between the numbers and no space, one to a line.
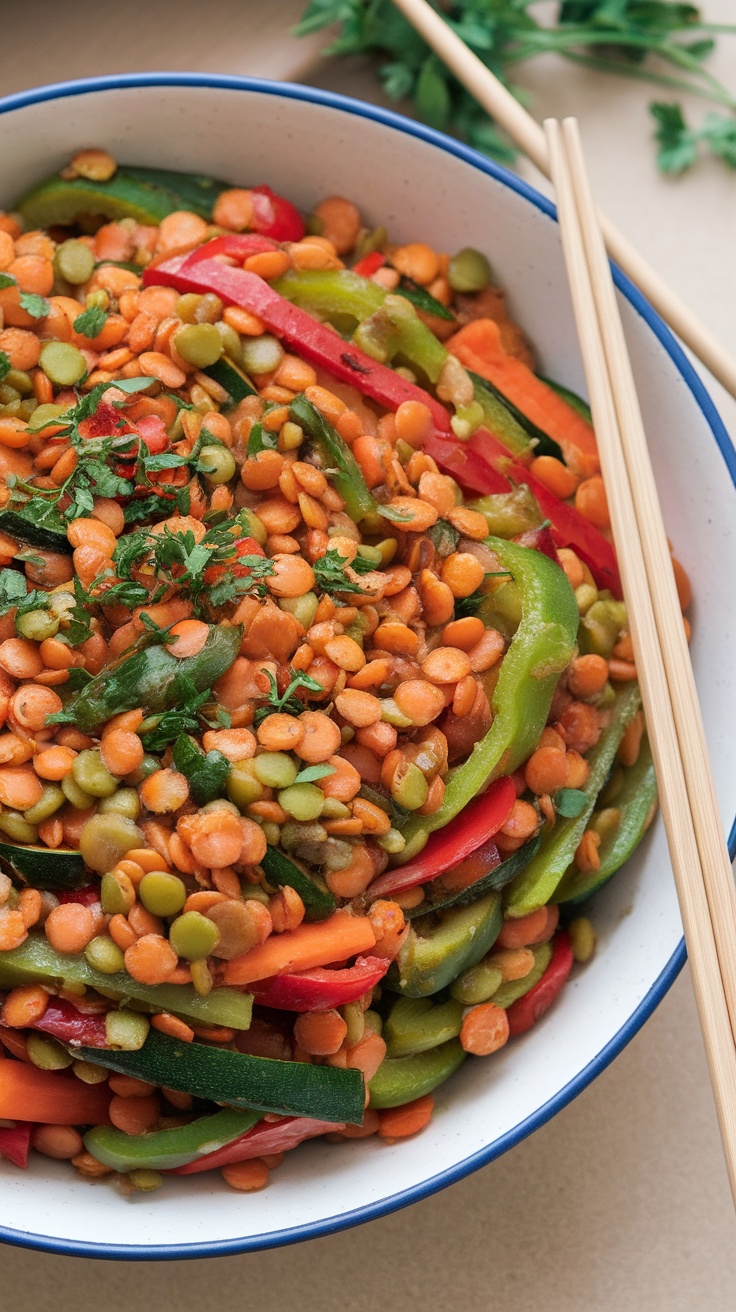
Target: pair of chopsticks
(697,847)
(695,837)
(531,139)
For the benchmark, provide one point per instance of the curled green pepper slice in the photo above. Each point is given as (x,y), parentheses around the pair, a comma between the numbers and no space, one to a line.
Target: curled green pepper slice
(402,1079)
(541,648)
(536,885)
(164,1150)
(636,802)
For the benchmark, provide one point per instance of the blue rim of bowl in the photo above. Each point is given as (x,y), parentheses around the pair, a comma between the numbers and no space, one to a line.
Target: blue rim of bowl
(372,1211)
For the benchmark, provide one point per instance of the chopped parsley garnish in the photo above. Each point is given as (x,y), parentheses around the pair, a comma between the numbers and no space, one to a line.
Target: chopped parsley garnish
(37,306)
(182,719)
(287,703)
(13,595)
(91,321)
(176,558)
(329,572)
(570,802)
(5,365)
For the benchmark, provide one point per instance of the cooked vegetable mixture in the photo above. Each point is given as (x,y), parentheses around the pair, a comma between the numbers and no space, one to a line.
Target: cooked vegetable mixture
(319,707)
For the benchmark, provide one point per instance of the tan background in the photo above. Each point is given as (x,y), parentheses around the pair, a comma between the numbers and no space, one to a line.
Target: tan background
(621,1201)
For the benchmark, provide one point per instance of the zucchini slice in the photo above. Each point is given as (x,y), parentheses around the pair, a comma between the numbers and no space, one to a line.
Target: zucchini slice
(45,867)
(146,195)
(17,526)
(237,384)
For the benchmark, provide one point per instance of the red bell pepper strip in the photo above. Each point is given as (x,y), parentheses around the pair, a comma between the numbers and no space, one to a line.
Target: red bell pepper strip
(369,264)
(266,1137)
(87,895)
(465,460)
(238,245)
(539,539)
(447,847)
(321,989)
(274,216)
(15,1142)
(569,528)
(526,1011)
(314,341)
(73,1026)
(469,469)
(50,1097)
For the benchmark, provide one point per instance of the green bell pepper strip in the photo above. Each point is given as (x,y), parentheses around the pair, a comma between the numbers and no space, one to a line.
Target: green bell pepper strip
(348,478)
(151,678)
(164,1150)
(514,989)
(291,1088)
(399,1080)
(279,870)
(36,962)
(542,647)
(536,885)
(388,329)
(416,1025)
(433,954)
(636,802)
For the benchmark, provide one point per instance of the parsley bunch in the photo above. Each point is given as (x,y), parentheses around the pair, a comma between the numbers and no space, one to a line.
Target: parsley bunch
(177,559)
(634,38)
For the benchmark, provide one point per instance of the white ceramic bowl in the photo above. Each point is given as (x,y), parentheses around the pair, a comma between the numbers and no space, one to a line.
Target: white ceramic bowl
(421,185)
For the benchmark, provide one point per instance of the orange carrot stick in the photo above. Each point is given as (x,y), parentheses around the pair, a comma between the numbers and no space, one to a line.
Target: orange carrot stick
(478,347)
(30,1094)
(321,944)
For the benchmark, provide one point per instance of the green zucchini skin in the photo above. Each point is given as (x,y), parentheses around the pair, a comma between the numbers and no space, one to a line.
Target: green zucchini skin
(37,961)
(45,867)
(280,870)
(237,384)
(33,535)
(146,195)
(289,1087)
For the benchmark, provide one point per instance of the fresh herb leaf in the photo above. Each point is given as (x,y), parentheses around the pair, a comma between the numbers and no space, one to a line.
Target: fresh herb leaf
(12,589)
(7,280)
(287,703)
(678,144)
(5,365)
(329,572)
(91,321)
(184,719)
(37,306)
(659,41)
(206,774)
(259,439)
(570,802)
(78,626)
(313,772)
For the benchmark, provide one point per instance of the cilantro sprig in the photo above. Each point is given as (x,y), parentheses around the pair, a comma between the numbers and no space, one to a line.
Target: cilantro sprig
(664,42)
(161,730)
(329,572)
(176,558)
(679,145)
(286,703)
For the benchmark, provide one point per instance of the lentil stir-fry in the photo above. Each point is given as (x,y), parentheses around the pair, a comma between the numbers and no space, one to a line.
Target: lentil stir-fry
(319,707)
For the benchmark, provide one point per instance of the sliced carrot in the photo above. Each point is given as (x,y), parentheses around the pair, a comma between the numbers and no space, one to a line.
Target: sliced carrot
(30,1094)
(320,944)
(478,347)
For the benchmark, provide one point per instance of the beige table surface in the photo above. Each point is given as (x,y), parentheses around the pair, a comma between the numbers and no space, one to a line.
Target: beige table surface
(621,1201)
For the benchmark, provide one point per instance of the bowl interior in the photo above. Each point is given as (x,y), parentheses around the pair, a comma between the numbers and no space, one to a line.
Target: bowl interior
(421,187)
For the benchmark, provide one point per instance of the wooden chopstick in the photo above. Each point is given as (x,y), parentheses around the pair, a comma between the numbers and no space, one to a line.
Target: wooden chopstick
(692,821)
(530,138)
